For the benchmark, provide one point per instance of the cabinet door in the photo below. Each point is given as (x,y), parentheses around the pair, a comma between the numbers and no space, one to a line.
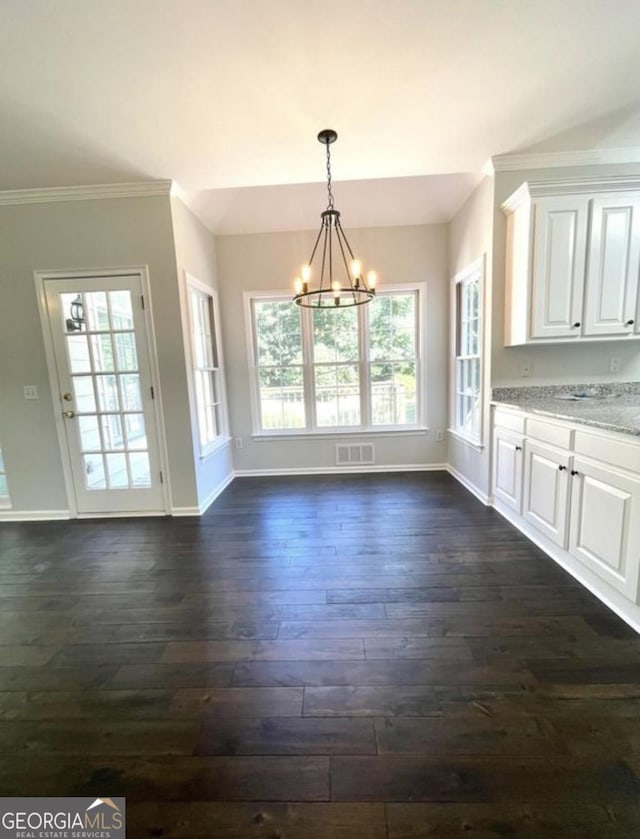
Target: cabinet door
(605,524)
(546,490)
(614,259)
(507,468)
(559,253)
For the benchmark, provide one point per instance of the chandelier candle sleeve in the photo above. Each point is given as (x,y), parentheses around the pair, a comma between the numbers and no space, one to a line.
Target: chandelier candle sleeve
(332,246)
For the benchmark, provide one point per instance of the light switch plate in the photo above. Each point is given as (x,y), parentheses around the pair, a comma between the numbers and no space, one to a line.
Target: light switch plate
(30,392)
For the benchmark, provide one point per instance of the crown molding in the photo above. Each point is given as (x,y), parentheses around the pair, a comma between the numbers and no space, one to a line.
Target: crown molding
(46,195)
(559,159)
(569,186)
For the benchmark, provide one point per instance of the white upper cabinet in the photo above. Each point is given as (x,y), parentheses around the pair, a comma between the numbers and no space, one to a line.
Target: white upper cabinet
(613,265)
(572,262)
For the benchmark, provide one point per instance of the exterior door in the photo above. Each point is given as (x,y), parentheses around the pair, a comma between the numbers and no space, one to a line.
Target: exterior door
(105,393)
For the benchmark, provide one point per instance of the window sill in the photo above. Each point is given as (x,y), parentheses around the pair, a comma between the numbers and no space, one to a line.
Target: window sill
(305,434)
(477,445)
(213,448)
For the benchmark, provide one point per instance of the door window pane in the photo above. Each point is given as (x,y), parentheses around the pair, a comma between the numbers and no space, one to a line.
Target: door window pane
(73,313)
(78,351)
(102,353)
(89,434)
(84,396)
(130,389)
(136,437)
(121,312)
(107,393)
(95,310)
(140,471)
(94,471)
(126,351)
(112,431)
(117,471)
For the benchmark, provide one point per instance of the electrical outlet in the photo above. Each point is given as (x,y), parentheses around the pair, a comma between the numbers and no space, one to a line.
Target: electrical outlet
(237,442)
(439,435)
(30,392)
(614,364)
(525,369)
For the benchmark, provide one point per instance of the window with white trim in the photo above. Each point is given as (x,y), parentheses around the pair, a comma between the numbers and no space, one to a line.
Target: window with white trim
(208,385)
(4,489)
(467,353)
(356,368)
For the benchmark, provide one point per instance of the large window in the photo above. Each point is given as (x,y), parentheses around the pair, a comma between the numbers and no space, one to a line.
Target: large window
(349,369)
(4,489)
(208,383)
(467,352)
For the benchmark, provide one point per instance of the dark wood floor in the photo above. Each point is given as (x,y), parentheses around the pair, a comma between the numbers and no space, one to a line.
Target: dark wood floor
(361,657)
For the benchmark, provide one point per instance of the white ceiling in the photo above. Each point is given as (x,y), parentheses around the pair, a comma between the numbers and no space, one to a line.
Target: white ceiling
(226,97)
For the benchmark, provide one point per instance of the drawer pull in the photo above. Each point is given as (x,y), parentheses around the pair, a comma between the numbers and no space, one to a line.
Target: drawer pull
(575,472)
(562,468)
(518,448)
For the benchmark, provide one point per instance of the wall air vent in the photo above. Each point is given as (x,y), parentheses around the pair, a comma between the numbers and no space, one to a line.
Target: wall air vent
(355,454)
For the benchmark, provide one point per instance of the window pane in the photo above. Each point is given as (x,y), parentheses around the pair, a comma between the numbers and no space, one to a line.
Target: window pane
(2,469)
(78,354)
(140,470)
(281,397)
(107,393)
(112,431)
(393,394)
(136,435)
(121,313)
(278,333)
(83,394)
(130,389)
(102,353)
(117,469)
(392,327)
(73,313)
(95,310)
(126,349)
(89,434)
(4,489)
(94,471)
(335,335)
(337,390)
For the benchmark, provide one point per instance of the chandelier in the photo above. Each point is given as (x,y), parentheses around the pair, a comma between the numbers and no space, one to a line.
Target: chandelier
(344,288)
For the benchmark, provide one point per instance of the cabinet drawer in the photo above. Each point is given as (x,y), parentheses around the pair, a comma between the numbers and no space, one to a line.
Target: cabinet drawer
(621,454)
(549,432)
(513,420)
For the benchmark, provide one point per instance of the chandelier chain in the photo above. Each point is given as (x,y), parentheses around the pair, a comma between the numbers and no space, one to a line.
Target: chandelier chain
(329,193)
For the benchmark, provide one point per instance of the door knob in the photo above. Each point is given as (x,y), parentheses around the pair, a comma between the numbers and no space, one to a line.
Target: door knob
(69,414)
(67,396)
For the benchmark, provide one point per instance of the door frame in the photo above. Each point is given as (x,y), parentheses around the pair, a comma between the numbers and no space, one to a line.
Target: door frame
(142,273)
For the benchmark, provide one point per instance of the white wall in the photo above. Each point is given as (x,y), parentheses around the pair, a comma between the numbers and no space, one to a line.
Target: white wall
(68,236)
(556,363)
(196,255)
(269,262)
(471,237)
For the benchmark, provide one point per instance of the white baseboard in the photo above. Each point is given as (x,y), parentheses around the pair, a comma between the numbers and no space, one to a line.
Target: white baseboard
(144,514)
(204,505)
(34,515)
(341,470)
(185,511)
(625,609)
(466,483)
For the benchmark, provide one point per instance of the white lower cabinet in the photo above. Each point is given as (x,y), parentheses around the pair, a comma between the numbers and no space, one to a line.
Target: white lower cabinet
(587,509)
(507,467)
(605,524)
(546,490)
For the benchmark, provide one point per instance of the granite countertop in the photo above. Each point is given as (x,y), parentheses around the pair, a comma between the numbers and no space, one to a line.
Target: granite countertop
(615,407)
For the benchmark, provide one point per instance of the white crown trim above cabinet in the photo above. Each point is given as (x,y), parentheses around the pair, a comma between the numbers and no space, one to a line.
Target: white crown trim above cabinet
(572,263)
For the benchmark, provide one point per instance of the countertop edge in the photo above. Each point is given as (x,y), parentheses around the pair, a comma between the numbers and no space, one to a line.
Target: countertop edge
(606,426)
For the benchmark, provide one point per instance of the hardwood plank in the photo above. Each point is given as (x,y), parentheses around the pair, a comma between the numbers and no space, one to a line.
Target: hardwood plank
(239,702)
(237,651)
(262,820)
(286,736)
(367,701)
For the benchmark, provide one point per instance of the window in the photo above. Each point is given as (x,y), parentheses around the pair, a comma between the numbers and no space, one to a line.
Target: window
(467,353)
(208,383)
(327,369)
(4,489)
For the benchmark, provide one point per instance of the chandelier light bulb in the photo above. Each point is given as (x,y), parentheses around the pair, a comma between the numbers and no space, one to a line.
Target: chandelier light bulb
(372,279)
(356,268)
(297,285)
(306,273)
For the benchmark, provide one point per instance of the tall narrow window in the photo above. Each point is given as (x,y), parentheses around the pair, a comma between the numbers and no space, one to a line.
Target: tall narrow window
(351,369)
(207,372)
(467,407)
(4,489)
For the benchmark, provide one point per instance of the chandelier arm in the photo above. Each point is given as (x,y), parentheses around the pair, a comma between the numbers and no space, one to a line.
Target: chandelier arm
(346,241)
(324,257)
(313,252)
(341,237)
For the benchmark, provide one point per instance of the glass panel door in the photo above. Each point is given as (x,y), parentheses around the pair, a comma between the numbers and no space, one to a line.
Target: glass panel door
(105,392)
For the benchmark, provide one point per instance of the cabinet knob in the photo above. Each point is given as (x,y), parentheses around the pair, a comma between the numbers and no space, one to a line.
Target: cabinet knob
(518,448)
(630,323)
(576,324)
(575,472)
(562,468)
